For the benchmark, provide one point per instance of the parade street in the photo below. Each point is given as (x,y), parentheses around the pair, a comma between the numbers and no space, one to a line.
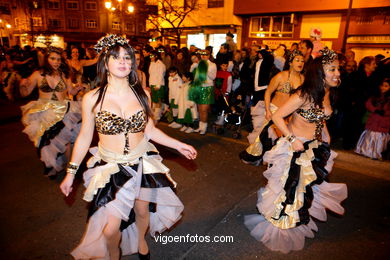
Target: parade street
(217,190)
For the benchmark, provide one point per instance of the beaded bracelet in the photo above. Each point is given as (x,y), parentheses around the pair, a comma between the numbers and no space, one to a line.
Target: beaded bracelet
(291,138)
(72,168)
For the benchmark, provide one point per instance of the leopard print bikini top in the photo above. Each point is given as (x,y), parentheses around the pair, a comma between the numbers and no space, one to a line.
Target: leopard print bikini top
(60,87)
(314,115)
(108,123)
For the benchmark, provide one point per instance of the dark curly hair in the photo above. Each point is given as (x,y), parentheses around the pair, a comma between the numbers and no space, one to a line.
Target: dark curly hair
(313,88)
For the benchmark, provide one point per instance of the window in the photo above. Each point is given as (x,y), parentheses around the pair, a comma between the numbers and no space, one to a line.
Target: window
(116,25)
(37,21)
(91,23)
(271,26)
(130,27)
(5,9)
(214,3)
(90,6)
(73,23)
(53,4)
(365,19)
(386,20)
(72,5)
(54,23)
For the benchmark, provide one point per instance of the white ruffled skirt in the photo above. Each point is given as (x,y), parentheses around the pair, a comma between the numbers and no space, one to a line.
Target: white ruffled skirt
(52,125)
(372,144)
(139,167)
(285,217)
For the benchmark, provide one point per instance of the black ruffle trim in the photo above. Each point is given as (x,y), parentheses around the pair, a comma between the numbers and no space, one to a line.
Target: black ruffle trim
(267,144)
(321,154)
(108,192)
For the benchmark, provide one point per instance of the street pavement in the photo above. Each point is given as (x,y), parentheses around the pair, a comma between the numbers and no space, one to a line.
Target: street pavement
(37,222)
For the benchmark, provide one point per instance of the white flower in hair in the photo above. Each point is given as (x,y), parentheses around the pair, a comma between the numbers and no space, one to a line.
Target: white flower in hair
(107,42)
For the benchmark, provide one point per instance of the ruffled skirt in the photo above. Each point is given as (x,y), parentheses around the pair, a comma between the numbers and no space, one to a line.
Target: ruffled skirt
(51,126)
(372,144)
(296,192)
(265,139)
(113,184)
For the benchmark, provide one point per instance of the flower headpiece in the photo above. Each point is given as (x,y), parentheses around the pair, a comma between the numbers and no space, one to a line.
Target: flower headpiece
(293,54)
(328,56)
(107,42)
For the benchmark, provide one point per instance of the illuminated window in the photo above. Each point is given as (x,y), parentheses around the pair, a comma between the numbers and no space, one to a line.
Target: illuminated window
(72,5)
(90,6)
(73,23)
(214,3)
(271,27)
(116,25)
(386,20)
(91,23)
(365,19)
(53,4)
(37,21)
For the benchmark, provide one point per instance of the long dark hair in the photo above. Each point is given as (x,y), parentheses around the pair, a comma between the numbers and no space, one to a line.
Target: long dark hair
(47,69)
(134,83)
(313,88)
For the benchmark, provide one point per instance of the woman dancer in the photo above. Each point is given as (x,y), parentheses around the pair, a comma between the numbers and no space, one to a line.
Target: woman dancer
(126,180)
(77,69)
(53,121)
(282,85)
(299,165)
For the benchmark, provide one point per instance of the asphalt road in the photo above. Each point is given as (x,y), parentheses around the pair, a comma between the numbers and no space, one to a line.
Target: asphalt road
(36,222)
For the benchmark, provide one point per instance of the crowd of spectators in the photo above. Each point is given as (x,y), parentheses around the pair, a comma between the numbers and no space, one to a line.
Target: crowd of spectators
(360,80)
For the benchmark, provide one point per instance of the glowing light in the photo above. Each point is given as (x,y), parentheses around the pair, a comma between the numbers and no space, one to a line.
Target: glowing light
(107,5)
(130,8)
(8,26)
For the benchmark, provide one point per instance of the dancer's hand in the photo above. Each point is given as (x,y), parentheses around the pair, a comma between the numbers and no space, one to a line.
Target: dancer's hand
(187,150)
(268,115)
(66,184)
(297,145)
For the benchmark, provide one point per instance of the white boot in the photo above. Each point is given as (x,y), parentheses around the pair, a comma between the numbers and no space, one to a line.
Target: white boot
(157,113)
(197,130)
(204,129)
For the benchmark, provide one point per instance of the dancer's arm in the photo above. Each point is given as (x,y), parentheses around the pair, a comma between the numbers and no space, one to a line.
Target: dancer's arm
(83,140)
(155,134)
(73,89)
(273,85)
(293,103)
(27,85)
(89,62)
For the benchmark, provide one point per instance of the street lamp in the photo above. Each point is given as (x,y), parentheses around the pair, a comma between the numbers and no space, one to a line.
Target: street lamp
(118,8)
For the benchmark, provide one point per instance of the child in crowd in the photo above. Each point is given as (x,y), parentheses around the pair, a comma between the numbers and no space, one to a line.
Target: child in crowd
(375,138)
(174,82)
(187,110)
(223,87)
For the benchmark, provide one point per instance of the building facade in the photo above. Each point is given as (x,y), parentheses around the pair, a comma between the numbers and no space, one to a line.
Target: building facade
(206,25)
(58,22)
(283,21)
